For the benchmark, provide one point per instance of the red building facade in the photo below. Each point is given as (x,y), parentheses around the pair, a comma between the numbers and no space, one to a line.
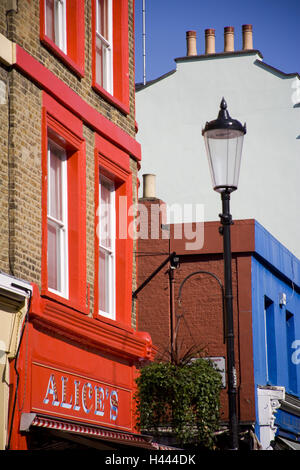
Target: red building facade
(72,158)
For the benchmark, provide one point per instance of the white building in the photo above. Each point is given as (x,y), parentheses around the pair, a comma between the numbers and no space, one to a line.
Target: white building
(173,109)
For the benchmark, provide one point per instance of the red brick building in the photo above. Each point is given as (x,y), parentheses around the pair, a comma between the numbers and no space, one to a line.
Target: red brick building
(69,158)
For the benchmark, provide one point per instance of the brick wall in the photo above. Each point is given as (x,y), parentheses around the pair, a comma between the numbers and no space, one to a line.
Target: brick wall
(90,212)
(23,27)
(4,170)
(200,313)
(25,178)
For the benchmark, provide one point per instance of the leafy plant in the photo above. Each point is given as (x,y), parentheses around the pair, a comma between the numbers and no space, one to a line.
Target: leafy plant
(183,398)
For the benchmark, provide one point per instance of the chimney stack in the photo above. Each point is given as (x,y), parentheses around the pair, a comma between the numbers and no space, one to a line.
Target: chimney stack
(210,41)
(191,47)
(228,39)
(149,189)
(247,36)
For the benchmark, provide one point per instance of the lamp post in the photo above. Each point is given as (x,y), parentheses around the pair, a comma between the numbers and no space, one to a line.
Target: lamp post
(224,141)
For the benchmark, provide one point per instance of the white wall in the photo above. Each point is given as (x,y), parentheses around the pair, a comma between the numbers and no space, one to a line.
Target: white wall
(172,112)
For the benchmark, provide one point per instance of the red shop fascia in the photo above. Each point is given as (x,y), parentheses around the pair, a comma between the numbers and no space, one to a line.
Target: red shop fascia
(75,372)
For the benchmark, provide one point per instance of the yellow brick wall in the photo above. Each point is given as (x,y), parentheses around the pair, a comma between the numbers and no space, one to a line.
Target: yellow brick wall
(4,170)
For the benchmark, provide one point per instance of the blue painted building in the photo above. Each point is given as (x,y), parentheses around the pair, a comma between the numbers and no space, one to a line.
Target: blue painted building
(276,341)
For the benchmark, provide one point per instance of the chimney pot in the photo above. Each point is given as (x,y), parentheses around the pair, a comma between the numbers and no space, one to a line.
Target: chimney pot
(191,46)
(247,36)
(228,39)
(149,189)
(210,41)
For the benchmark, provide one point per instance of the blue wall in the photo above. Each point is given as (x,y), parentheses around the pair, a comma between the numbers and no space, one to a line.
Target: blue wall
(275,271)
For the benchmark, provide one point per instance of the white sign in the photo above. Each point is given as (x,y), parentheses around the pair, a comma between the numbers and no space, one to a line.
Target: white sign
(219,364)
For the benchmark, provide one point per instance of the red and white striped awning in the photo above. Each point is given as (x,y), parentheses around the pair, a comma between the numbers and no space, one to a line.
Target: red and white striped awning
(31,419)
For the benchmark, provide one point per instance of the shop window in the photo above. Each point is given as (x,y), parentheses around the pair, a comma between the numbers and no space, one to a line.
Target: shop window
(62,31)
(63,208)
(113,242)
(110,51)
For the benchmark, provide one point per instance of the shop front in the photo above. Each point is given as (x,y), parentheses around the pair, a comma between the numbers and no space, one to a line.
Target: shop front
(74,382)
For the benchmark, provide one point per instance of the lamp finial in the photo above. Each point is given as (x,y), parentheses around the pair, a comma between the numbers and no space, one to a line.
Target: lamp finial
(223,104)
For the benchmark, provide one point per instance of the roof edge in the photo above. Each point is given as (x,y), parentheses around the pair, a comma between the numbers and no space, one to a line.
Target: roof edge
(278,71)
(273,252)
(219,54)
(141,86)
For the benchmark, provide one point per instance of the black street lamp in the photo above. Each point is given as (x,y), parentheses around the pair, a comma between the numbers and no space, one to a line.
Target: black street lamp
(224,141)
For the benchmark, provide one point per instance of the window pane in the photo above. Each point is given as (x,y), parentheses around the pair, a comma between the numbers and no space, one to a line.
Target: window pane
(57,247)
(106,57)
(102,63)
(50,19)
(104,47)
(104,280)
(106,247)
(55,208)
(99,62)
(60,24)
(102,18)
(106,209)
(55,27)
(54,281)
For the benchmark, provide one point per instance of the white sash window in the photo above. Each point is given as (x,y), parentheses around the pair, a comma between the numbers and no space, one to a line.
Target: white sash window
(107,246)
(104,48)
(56,25)
(57,217)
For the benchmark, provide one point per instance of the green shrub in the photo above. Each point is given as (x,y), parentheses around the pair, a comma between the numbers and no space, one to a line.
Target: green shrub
(184,398)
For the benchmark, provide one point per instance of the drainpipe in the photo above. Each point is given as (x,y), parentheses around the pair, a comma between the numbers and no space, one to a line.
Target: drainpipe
(172,313)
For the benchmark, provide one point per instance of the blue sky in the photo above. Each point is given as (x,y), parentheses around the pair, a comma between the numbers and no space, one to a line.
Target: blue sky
(276,30)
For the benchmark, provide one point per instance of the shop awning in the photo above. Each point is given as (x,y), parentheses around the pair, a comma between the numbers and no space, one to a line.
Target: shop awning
(292,445)
(32,420)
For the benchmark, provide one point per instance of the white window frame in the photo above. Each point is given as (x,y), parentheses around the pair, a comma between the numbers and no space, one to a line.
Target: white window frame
(60,23)
(111,281)
(61,225)
(107,61)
